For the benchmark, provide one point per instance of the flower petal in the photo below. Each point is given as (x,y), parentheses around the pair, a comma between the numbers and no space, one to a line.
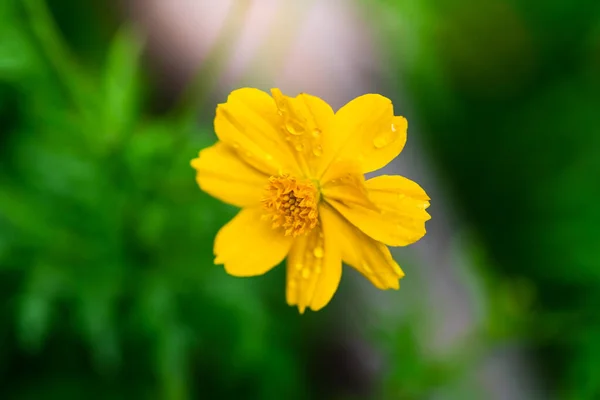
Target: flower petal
(248,246)
(400,216)
(314,268)
(346,185)
(250,123)
(367,131)
(369,257)
(222,174)
(306,121)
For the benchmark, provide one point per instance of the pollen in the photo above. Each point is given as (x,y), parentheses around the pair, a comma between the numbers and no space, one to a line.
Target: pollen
(291,204)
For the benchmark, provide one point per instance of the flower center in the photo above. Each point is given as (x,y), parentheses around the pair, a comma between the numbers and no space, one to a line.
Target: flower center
(291,204)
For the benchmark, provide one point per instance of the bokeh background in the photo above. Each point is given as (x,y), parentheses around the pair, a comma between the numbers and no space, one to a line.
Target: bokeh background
(107,287)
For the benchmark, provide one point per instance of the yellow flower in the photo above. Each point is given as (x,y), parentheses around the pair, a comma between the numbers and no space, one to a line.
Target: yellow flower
(297,169)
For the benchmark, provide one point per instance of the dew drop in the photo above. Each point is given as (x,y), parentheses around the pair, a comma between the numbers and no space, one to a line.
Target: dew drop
(318,150)
(282,107)
(236,145)
(318,252)
(379,142)
(268,157)
(292,284)
(393,128)
(306,273)
(294,127)
(401,196)
(299,147)
(298,266)
(383,139)
(316,133)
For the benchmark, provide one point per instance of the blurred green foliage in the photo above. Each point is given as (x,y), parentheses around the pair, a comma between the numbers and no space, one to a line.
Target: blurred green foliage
(507,95)
(108,289)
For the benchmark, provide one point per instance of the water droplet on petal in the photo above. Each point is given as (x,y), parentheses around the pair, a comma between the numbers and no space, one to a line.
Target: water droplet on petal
(318,252)
(299,147)
(401,196)
(318,150)
(383,139)
(316,133)
(292,283)
(236,145)
(298,266)
(393,128)
(294,127)
(379,142)
(306,273)
(268,157)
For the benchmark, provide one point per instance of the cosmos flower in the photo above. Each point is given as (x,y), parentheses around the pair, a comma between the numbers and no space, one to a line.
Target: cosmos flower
(297,169)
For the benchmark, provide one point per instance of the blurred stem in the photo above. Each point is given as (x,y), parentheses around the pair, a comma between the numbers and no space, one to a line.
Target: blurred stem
(206,78)
(56,51)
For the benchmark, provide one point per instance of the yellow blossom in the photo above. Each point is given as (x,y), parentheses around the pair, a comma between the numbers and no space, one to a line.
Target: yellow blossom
(297,169)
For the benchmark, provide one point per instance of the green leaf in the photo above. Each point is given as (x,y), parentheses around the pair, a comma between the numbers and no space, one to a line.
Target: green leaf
(36,304)
(122,83)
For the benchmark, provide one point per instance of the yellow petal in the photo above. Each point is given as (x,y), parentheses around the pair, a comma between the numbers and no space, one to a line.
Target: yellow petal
(369,257)
(222,174)
(306,122)
(314,268)
(400,218)
(248,246)
(346,185)
(250,123)
(366,131)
